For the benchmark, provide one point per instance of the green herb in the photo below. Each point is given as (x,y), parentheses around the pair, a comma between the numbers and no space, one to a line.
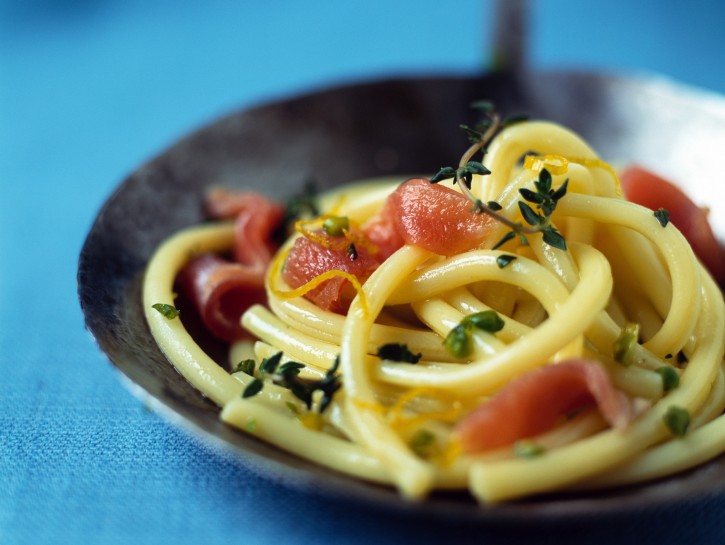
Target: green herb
(504,260)
(463,173)
(300,206)
(624,345)
(351,252)
(677,420)
(251,425)
(527,449)
(544,199)
(479,136)
(488,320)
(335,226)
(423,442)
(292,407)
(246,366)
(253,388)
(663,216)
(459,339)
(398,352)
(670,378)
(329,385)
(287,376)
(458,342)
(269,365)
(167,311)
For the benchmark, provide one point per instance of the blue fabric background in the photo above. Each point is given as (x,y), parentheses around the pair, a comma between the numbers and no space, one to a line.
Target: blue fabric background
(90,89)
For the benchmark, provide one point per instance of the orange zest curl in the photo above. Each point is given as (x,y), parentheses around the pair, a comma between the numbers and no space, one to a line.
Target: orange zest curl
(558,164)
(275,273)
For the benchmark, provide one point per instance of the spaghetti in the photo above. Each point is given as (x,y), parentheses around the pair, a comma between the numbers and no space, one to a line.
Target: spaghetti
(321,387)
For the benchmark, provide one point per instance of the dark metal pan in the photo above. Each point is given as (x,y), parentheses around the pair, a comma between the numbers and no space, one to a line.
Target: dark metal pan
(384,128)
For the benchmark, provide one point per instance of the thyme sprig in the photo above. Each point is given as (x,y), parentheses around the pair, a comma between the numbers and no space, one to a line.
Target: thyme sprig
(287,376)
(544,198)
(302,205)
(479,136)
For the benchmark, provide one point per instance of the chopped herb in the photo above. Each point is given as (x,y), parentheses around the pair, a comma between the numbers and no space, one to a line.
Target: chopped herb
(167,311)
(302,205)
(251,425)
(422,443)
(458,340)
(246,366)
(292,407)
(677,420)
(446,173)
(553,238)
(624,344)
(508,236)
(253,388)
(513,119)
(329,385)
(291,368)
(527,449)
(504,260)
(681,358)
(335,226)
(269,365)
(485,106)
(663,216)
(670,378)
(488,320)
(351,252)
(398,352)
(464,173)
(287,376)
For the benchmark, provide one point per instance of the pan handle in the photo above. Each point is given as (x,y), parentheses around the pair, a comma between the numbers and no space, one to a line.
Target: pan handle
(510,36)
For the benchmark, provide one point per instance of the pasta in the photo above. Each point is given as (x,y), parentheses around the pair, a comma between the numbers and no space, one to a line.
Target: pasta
(596,284)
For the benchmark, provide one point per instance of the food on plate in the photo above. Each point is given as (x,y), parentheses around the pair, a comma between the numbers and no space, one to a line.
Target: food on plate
(511,325)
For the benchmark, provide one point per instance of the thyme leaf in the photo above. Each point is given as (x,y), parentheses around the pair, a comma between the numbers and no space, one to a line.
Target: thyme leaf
(504,260)
(303,204)
(526,448)
(504,239)
(167,311)
(553,238)
(398,352)
(663,216)
(446,173)
(253,388)
(246,366)
(287,376)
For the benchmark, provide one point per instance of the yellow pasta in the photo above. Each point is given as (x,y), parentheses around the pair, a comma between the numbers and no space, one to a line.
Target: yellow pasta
(396,422)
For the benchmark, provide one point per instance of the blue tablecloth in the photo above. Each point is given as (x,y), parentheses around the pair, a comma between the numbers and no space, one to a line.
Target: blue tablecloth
(91,89)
